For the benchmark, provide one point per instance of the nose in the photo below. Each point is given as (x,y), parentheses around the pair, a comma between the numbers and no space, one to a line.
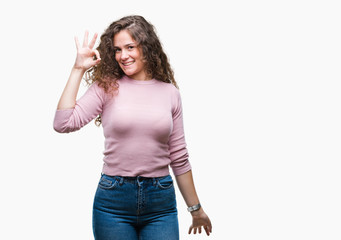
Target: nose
(124,55)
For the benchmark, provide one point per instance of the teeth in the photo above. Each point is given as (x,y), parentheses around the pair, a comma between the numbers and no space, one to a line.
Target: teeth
(127,64)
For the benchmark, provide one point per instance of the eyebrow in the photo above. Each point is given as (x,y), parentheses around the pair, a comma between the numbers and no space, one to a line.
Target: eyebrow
(129,44)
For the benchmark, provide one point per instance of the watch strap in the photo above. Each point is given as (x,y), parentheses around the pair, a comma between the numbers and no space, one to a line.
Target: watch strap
(194,208)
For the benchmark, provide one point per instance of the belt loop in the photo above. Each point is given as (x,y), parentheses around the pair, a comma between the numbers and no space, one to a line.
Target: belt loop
(121,180)
(138,181)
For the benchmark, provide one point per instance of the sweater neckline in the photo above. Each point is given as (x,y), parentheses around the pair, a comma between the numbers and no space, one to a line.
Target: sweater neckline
(139,82)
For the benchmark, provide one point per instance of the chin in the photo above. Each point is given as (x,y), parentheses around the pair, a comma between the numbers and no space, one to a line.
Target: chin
(129,73)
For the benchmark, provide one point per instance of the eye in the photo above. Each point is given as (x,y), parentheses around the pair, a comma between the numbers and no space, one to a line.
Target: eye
(130,47)
(116,50)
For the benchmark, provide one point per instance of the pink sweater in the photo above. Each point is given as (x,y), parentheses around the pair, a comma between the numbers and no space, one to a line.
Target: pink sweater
(142,125)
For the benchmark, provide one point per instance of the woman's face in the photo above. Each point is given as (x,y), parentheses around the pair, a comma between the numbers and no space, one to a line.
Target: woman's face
(129,56)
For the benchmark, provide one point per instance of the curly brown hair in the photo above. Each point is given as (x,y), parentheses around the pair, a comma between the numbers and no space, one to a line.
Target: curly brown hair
(108,71)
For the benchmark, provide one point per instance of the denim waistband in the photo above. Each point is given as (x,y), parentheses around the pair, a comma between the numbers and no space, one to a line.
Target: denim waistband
(138,179)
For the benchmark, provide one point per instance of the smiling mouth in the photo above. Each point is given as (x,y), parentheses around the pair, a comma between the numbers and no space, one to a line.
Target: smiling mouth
(127,64)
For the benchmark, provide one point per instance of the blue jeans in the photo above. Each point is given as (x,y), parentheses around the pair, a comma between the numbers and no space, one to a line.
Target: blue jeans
(135,208)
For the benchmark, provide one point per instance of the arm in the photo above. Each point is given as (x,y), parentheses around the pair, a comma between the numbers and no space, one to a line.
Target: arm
(200,219)
(68,97)
(71,114)
(182,169)
(84,61)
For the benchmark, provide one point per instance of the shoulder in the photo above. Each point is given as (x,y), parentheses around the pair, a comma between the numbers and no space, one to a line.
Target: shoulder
(169,87)
(95,87)
(97,90)
(174,96)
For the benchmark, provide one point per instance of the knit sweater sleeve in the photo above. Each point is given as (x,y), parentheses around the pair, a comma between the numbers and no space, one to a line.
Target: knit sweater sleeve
(86,109)
(177,144)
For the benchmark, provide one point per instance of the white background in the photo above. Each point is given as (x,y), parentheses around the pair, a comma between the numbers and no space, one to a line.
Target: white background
(260,83)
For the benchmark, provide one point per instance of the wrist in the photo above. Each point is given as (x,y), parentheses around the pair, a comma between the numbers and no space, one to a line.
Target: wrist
(197,212)
(78,69)
(194,208)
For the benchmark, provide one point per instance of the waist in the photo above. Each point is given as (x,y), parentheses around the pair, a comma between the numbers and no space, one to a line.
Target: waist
(137,179)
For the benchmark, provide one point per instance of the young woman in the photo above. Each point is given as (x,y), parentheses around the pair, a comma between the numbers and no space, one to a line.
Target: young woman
(135,97)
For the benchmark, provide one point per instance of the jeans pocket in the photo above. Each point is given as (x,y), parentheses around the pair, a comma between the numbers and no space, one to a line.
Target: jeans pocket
(107,182)
(165,182)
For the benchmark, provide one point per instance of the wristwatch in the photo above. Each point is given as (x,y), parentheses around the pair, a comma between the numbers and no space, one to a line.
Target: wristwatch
(194,208)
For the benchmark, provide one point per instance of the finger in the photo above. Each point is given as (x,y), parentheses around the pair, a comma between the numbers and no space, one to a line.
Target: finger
(190,230)
(97,61)
(210,227)
(85,40)
(195,231)
(207,230)
(97,54)
(77,43)
(93,41)
(96,57)
(199,230)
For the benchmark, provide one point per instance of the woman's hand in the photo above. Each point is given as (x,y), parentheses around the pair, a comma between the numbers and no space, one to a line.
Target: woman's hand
(85,54)
(200,219)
